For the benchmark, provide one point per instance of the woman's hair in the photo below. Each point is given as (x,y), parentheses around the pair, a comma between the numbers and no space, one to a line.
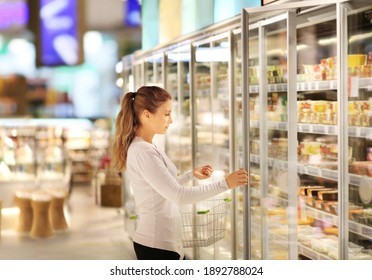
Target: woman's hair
(127,121)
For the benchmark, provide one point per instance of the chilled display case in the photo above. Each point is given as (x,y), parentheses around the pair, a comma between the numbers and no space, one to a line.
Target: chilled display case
(307,101)
(285,92)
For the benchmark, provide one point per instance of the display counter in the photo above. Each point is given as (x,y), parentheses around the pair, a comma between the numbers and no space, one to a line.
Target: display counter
(34,154)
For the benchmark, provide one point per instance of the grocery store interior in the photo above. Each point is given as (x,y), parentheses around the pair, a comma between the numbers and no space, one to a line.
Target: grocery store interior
(281,88)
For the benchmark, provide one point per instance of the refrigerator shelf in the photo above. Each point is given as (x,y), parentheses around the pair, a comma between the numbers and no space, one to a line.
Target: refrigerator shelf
(354,131)
(310,86)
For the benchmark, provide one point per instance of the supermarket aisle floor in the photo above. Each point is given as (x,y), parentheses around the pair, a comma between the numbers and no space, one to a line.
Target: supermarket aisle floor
(95,233)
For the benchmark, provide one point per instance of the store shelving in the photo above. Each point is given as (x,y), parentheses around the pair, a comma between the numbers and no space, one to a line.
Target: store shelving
(78,150)
(34,155)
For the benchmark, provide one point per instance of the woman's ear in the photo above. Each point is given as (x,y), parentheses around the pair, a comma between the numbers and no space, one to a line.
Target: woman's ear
(146,114)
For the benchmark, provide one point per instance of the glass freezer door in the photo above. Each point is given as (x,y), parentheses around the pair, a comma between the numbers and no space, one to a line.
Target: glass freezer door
(178,138)
(238,139)
(309,131)
(153,67)
(359,121)
(212,136)
(270,167)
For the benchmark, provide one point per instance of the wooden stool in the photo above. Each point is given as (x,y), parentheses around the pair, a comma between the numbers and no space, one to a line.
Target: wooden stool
(25,218)
(41,226)
(1,207)
(56,210)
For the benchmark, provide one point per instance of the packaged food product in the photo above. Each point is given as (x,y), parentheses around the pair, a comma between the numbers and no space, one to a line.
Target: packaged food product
(331,61)
(365,192)
(331,207)
(369,153)
(311,148)
(308,72)
(329,195)
(320,106)
(312,195)
(303,189)
(369,58)
(356,60)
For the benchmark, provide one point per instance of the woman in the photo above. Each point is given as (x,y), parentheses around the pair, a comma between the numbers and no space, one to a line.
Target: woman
(157,190)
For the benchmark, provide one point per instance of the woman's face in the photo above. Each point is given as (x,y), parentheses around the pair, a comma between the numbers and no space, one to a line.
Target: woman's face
(161,120)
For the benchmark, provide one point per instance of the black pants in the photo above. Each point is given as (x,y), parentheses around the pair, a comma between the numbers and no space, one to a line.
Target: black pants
(148,253)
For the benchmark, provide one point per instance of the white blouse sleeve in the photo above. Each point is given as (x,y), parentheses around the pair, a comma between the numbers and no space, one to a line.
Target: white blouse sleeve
(155,172)
(185,178)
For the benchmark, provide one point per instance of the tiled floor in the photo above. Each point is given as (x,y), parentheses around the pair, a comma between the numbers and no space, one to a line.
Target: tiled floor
(95,233)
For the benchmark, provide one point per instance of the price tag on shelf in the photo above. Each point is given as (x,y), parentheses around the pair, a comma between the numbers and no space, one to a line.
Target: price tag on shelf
(319,129)
(363,132)
(354,179)
(357,131)
(300,169)
(283,126)
(332,129)
(353,87)
(319,215)
(313,171)
(305,128)
(310,253)
(282,87)
(367,231)
(334,220)
(329,174)
(353,227)
(352,131)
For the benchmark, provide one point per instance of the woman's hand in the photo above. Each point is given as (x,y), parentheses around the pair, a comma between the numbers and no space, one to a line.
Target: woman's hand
(237,178)
(203,172)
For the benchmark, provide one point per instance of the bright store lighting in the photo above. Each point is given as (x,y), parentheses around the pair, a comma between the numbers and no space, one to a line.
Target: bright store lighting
(93,42)
(11,211)
(278,52)
(353,39)
(329,41)
(18,46)
(181,56)
(302,47)
(360,37)
(119,82)
(119,67)
(216,54)
(131,83)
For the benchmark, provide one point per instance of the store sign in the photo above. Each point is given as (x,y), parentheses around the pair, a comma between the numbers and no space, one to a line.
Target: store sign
(59,32)
(13,14)
(133,13)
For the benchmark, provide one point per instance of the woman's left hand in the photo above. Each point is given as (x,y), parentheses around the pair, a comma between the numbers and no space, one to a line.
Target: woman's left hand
(203,172)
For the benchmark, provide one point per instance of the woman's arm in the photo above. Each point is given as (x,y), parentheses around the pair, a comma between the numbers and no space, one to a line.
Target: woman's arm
(185,178)
(201,172)
(155,172)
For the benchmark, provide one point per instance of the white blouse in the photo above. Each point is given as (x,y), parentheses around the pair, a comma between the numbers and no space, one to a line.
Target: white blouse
(158,192)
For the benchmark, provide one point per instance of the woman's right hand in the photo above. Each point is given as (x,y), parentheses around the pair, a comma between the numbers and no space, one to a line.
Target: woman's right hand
(237,178)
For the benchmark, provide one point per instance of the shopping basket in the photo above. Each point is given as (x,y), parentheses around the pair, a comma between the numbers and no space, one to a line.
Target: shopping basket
(204,223)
